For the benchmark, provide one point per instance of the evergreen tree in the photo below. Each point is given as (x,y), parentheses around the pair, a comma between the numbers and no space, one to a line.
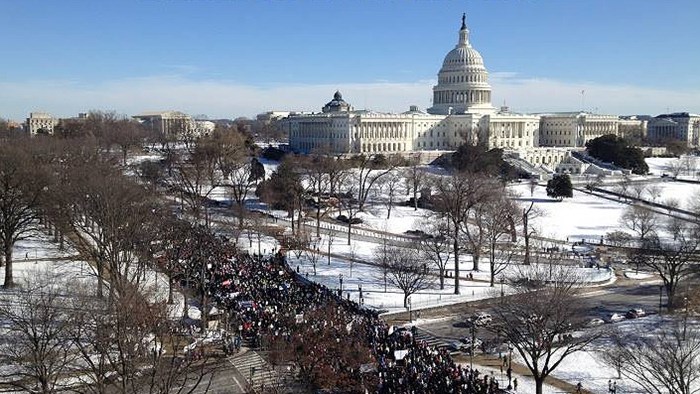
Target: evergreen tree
(560,187)
(613,149)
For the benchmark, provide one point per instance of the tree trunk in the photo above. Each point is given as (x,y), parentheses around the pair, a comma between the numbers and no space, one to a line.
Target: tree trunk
(455,247)
(391,202)
(185,312)
(9,282)
(415,198)
(291,214)
(349,228)
(539,382)
(405,300)
(170,289)
(526,236)
(318,219)
(442,279)
(670,295)
(475,261)
(100,278)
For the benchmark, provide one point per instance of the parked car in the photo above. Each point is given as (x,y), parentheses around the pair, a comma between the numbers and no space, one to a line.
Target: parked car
(454,346)
(615,317)
(635,313)
(467,341)
(481,319)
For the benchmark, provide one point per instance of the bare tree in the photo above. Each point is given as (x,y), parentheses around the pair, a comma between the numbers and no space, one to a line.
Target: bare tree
(131,346)
(315,174)
(435,246)
(197,175)
(484,219)
(529,213)
(618,238)
(623,186)
(499,221)
(638,189)
(112,223)
(456,196)
(329,241)
(654,192)
(127,135)
(382,259)
(415,177)
(370,169)
(22,185)
(532,185)
(673,258)
(351,206)
(407,272)
(390,184)
(313,253)
(664,361)
(35,341)
(676,167)
(641,221)
(539,321)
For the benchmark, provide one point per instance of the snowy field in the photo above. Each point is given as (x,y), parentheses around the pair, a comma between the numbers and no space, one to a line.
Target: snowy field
(589,368)
(38,254)
(581,217)
(661,165)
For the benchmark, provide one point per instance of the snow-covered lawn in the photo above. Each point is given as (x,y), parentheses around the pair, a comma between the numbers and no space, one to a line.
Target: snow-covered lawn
(402,218)
(588,367)
(369,278)
(661,165)
(582,217)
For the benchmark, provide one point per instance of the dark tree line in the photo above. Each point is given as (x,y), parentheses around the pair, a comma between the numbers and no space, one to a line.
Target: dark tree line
(613,149)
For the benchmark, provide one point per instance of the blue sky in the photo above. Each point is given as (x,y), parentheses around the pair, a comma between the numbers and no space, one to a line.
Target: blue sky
(237,58)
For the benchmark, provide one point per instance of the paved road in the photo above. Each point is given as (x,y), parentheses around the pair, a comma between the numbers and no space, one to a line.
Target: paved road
(599,302)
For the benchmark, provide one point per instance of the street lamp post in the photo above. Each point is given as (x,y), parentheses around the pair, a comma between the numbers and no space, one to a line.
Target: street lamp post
(510,367)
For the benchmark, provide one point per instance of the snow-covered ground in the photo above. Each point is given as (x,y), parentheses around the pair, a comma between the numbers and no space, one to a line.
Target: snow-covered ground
(582,217)
(39,253)
(402,218)
(588,367)
(663,165)
(370,278)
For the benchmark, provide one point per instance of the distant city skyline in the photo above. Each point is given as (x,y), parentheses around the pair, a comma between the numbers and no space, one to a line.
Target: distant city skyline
(228,59)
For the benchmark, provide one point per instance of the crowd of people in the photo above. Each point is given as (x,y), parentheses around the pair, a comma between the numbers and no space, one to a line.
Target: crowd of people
(265,298)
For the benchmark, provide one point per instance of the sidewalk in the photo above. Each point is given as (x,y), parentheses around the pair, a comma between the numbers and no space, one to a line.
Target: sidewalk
(526,384)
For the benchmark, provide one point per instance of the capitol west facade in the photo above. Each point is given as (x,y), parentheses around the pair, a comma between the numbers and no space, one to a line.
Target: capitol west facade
(461,112)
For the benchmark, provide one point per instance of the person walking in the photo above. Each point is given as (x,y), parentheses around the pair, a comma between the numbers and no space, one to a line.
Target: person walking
(579,386)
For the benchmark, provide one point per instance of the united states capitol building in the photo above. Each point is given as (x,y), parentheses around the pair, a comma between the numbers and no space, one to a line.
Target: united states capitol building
(461,112)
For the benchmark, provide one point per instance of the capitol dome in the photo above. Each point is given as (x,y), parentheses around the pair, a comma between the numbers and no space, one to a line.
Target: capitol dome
(462,81)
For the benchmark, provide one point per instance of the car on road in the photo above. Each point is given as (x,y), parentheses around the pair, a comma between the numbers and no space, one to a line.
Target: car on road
(635,313)
(614,318)
(467,344)
(481,319)
(455,346)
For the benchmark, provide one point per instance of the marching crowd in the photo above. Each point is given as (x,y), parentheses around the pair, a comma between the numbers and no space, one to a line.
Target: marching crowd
(263,296)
